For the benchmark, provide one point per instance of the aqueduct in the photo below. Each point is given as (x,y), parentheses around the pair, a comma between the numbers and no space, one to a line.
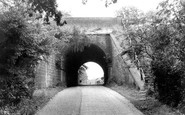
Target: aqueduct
(103,49)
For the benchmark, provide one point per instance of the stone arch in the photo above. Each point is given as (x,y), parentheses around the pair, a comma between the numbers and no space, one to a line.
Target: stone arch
(74,59)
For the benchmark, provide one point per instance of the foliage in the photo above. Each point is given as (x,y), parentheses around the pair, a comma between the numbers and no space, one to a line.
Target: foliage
(107,2)
(29,106)
(130,16)
(147,105)
(74,40)
(168,92)
(24,41)
(79,40)
(26,107)
(46,8)
(136,26)
(168,51)
(158,41)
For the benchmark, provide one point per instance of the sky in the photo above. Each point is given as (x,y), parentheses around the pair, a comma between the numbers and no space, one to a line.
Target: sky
(96,8)
(94,70)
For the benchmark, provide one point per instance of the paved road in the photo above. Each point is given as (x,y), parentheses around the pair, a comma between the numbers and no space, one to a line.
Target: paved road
(89,100)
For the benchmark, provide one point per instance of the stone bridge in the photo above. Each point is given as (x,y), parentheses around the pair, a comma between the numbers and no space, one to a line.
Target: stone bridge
(103,49)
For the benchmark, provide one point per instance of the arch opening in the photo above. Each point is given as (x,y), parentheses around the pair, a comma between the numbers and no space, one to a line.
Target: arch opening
(90,73)
(75,59)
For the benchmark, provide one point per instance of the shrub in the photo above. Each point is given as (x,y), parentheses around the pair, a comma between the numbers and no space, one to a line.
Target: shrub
(158,44)
(167,82)
(21,45)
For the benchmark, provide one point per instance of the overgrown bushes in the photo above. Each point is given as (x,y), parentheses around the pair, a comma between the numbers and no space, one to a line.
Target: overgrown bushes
(25,107)
(168,64)
(167,82)
(22,44)
(162,52)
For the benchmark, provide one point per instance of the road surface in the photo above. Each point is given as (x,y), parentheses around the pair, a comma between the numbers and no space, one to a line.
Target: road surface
(89,100)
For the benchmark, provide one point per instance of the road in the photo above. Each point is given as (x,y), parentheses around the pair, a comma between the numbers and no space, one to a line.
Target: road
(89,100)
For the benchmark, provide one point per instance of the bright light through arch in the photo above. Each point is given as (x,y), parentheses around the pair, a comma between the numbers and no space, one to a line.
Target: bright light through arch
(94,70)
(90,73)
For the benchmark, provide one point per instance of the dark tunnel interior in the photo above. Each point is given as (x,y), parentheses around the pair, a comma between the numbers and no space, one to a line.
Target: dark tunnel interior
(73,61)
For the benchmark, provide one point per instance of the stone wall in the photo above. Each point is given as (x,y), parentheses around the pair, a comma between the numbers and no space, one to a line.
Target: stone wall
(120,71)
(101,40)
(47,74)
(123,70)
(41,72)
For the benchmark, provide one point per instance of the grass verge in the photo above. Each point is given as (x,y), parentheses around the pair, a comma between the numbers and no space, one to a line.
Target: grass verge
(147,105)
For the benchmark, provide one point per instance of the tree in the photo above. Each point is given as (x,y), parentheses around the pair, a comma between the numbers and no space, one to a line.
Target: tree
(107,2)
(136,26)
(130,16)
(48,8)
(160,38)
(23,43)
(168,51)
